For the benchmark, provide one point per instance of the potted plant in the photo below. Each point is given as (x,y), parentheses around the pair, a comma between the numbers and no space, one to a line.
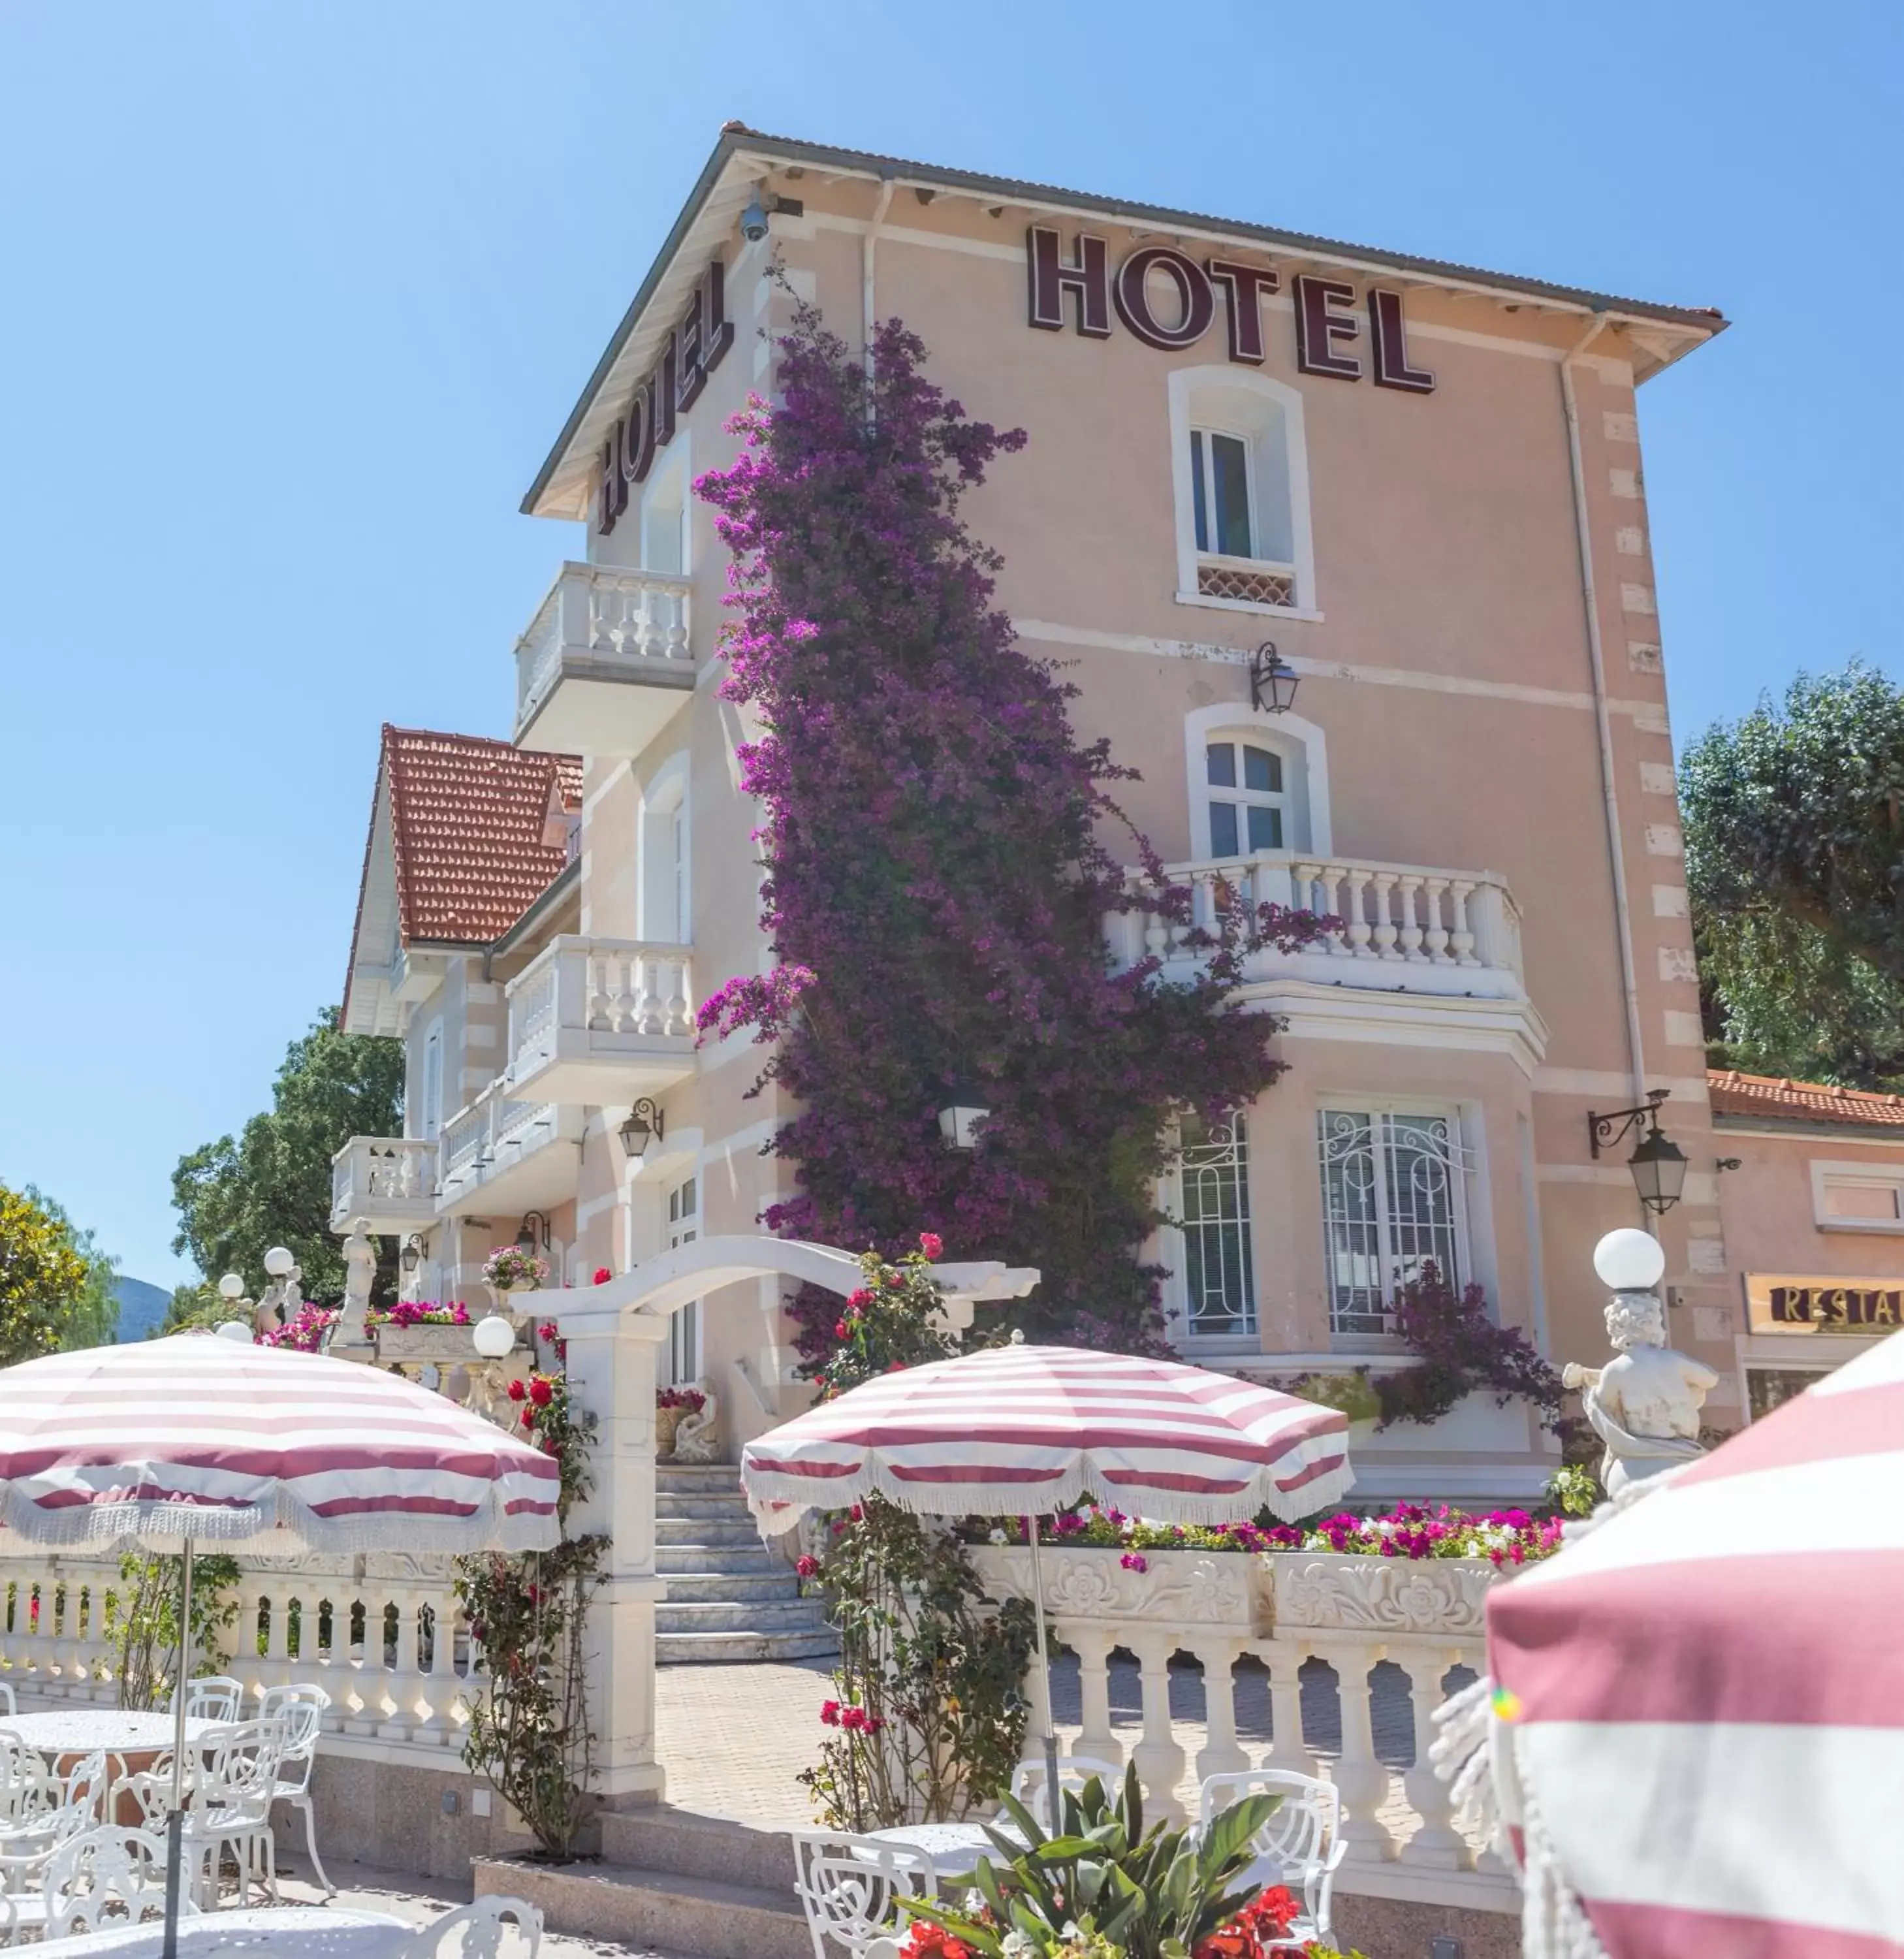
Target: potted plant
(670,1404)
(513,1268)
(419,1334)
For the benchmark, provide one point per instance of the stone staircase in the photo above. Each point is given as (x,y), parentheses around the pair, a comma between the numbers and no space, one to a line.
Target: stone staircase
(729,1597)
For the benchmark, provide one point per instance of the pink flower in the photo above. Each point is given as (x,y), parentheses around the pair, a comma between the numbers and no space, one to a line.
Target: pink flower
(806,1567)
(860,1299)
(829,1713)
(841,1329)
(548,1330)
(931,1244)
(1134,1560)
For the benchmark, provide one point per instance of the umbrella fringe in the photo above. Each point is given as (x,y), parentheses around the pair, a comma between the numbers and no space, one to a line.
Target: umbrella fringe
(1554,1923)
(778,1497)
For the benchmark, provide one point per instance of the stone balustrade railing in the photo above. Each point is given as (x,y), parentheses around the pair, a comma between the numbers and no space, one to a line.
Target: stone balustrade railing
(1403,925)
(602,615)
(382,1633)
(383,1178)
(1282,1609)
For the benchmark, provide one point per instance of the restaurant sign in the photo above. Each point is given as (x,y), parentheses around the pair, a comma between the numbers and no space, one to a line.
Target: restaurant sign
(1781,1302)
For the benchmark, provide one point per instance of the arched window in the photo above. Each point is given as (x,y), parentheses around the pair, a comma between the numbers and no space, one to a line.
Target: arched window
(1255,783)
(1249,802)
(1241,474)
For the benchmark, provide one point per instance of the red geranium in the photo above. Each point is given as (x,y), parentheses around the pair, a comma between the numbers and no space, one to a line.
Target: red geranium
(932,1941)
(540,1393)
(931,1244)
(602,1275)
(806,1567)
(517,1389)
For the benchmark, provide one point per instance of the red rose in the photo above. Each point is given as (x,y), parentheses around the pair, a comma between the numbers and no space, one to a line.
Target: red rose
(806,1567)
(863,1297)
(540,1393)
(829,1713)
(895,1280)
(548,1330)
(517,1389)
(528,1418)
(931,1244)
(840,1329)
(603,1275)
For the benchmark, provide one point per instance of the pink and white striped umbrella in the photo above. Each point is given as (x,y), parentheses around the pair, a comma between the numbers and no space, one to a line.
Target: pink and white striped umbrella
(257,1449)
(1020,1429)
(1698,1737)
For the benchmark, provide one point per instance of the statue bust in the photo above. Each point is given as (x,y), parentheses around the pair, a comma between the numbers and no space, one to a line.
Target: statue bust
(1645,1403)
(359,1274)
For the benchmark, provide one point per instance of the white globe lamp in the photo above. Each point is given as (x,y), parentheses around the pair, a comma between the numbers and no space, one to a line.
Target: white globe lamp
(231,1286)
(1629,1261)
(235,1330)
(279,1260)
(494,1336)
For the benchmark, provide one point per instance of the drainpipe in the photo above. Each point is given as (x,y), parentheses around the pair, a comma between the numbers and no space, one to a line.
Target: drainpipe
(867,252)
(1628,974)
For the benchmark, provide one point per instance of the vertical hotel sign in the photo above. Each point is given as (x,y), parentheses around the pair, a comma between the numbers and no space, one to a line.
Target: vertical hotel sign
(672,386)
(1788,1302)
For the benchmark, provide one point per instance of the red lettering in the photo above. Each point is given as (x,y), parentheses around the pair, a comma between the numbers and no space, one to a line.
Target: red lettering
(1245,287)
(1388,343)
(1197,302)
(1086,279)
(1320,323)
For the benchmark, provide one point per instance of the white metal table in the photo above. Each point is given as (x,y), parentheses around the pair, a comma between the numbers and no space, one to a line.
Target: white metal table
(119,1731)
(954,1848)
(312,1932)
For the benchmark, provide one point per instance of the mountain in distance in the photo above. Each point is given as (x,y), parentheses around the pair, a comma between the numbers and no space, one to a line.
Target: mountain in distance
(142,1307)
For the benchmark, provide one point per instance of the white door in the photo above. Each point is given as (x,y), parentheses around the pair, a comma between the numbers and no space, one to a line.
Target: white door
(684,1334)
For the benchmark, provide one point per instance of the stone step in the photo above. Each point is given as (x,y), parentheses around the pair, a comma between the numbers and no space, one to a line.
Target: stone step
(741,1649)
(703,1533)
(658,1838)
(697,1476)
(739,1615)
(704,1588)
(728,1561)
(733,1509)
(641,1908)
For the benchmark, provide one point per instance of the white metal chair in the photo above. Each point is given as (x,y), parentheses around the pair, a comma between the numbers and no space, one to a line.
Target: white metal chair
(302,1710)
(481,1925)
(1300,1846)
(8,1705)
(89,1874)
(1074,1772)
(217,1697)
(27,1786)
(850,1887)
(228,1789)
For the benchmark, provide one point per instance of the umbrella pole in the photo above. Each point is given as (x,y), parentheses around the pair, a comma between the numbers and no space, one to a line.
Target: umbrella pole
(1044,1667)
(175,1822)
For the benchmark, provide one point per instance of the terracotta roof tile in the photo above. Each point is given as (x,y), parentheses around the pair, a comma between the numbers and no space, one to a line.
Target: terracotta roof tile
(468,817)
(1734,1094)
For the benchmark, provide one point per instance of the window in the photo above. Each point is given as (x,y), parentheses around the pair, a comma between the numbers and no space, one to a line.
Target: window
(1393,1202)
(664,857)
(433,1083)
(1247,801)
(1241,482)
(1768,1390)
(684,1331)
(1857,1197)
(1220,472)
(1219,1277)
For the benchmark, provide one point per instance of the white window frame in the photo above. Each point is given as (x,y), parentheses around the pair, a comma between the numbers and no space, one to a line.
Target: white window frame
(1245,1327)
(1227,400)
(1238,796)
(430,1094)
(669,857)
(1305,751)
(682,1224)
(1463,1222)
(1247,443)
(1826,1173)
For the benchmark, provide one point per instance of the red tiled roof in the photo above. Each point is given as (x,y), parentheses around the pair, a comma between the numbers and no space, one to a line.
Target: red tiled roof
(467,819)
(1736,1094)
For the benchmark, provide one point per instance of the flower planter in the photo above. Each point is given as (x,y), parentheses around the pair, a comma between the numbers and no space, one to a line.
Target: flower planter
(1226,1591)
(440,1346)
(1344,1593)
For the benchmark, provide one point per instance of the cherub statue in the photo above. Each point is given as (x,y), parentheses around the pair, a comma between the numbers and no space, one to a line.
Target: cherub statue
(1645,1403)
(697,1439)
(359,1274)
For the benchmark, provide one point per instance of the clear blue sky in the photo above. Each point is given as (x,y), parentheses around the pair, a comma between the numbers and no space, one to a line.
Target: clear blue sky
(296,296)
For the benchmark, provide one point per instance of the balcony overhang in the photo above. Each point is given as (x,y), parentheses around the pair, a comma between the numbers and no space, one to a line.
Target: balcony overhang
(503,1153)
(608,707)
(577,1069)
(387,1181)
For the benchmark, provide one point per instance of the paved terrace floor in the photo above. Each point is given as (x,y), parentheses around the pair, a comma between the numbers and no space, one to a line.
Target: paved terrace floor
(734,1739)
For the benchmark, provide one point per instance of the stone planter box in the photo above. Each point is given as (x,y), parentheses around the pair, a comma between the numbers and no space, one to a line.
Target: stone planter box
(1335,1591)
(419,1346)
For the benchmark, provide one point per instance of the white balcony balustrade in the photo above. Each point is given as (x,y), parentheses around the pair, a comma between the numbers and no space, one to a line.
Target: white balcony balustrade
(605,663)
(1405,928)
(600,1020)
(392,1180)
(509,1153)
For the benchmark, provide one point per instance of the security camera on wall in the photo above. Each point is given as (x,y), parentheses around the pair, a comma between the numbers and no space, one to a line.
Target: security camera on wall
(754,219)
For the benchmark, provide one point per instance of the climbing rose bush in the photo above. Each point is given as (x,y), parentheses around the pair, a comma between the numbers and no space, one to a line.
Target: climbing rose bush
(939,860)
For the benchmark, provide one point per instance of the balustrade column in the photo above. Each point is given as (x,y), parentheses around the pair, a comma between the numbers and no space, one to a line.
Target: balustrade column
(1358,927)
(1437,1845)
(1219,1755)
(1286,1751)
(1092,1644)
(1462,938)
(1437,931)
(1360,1776)
(1331,880)
(1410,928)
(1385,934)
(435,1683)
(1159,1760)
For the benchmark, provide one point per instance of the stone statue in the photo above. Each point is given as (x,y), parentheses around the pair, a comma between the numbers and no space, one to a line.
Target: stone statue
(698,1439)
(268,1315)
(1645,1403)
(359,1274)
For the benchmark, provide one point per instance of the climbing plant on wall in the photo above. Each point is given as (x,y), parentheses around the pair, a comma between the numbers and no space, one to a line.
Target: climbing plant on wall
(940,853)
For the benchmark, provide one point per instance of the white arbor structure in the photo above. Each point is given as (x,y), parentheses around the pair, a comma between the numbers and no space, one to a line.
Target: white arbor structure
(613,1330)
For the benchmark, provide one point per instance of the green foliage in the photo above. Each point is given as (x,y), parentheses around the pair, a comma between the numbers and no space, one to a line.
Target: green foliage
(55,1285)
(147,1625)
(194,1306)
(271,1185)
(1154,1894)
(1575,1491)
(1794,821)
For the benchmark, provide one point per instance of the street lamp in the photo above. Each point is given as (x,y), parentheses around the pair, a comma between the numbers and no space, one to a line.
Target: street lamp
(494,1336)
(1272,680)
(644,1122)
(1657,1162)
(960,1114)
(411,1257)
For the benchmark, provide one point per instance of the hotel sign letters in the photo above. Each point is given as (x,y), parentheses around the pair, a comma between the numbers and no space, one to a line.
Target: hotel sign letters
(689,355)
(1780,1302)
(1328,330)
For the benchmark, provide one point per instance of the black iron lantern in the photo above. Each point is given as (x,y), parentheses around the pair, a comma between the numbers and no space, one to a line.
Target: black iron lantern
(961,1111)
(1272,680)
(411,1257)
(1657,1162)
(644,1122)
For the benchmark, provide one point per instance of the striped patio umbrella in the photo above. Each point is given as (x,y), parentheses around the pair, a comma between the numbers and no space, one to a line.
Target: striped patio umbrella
(259,1449)
(1697,1730)
(1018,1430)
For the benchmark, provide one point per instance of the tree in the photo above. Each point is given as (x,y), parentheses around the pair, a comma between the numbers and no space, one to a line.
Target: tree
(936,875)
(272,1186)
(1794,846)
(55,1285)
